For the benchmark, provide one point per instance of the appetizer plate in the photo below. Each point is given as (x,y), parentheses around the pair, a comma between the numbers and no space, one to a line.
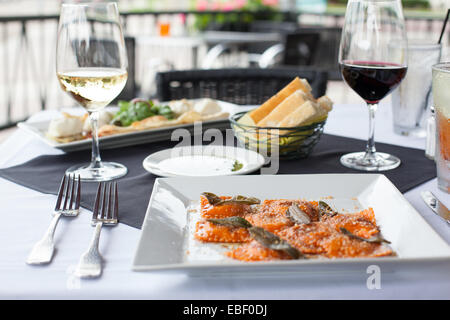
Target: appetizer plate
(39,129)
(203,161)
(165,237)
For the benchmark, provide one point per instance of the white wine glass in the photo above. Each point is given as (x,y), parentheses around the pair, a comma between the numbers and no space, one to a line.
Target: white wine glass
(91,66)
(373,62)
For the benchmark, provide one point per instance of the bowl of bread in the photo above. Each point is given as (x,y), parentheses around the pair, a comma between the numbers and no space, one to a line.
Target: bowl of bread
(288,124)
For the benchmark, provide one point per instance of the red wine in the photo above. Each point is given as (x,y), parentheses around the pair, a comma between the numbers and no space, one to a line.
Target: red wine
(372,80)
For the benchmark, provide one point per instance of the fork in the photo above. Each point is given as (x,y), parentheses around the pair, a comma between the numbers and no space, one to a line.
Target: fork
(106,211)
(70,190)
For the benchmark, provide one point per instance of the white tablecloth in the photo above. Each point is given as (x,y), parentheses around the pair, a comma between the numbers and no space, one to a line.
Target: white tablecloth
(25,215)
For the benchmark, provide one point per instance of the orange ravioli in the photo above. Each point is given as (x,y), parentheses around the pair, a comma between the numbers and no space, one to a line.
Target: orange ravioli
(354,223)
(253,251)
(320,236)
(271,215)
(209,232)
(223,211)
(306,237)
(369,215)
(340,246)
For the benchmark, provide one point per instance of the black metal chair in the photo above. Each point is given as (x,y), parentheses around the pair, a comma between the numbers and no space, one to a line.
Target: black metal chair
(281,27)
(240,86)
(300,48)
(327,51)
(315,46)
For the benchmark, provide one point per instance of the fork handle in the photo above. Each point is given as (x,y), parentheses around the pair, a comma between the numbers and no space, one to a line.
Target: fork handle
(90,264)
(96,238)
(92,255)
(43,250)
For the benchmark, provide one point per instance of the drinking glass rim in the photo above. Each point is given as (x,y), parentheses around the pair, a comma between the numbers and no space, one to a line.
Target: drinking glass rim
(417,45)
(442,66)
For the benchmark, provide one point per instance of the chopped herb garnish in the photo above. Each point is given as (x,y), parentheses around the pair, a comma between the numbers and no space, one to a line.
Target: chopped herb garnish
(237,166)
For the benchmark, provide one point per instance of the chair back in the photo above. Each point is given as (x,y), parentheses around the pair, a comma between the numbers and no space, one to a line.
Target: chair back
(327,53)
(244,86)
(300,48)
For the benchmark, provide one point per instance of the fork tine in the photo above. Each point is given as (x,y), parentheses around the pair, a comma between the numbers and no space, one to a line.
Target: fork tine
(97,202)
(116,203)
(77,202)
(60,193)
(72,193)
(66,193)
(110,202)
(102,211)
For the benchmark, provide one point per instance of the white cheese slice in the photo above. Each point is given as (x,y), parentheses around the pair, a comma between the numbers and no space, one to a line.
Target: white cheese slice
(65,126)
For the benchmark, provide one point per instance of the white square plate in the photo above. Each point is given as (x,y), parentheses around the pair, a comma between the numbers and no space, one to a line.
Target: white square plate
(165,234)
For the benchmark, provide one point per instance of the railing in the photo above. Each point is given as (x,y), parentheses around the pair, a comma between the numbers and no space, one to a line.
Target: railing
(27,53)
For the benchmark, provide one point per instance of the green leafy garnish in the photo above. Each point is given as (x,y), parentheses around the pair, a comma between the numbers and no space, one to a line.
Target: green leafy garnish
(215,200)
(166,112)
(237,166)
(235,222)
(139,109)
(272,241)
(374,239)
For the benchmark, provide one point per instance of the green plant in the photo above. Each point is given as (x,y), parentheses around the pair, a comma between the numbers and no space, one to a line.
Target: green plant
(234,16)
(424,4)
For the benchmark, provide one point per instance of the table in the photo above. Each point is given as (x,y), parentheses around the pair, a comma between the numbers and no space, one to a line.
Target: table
(211,38)
(199,47)
(25,215)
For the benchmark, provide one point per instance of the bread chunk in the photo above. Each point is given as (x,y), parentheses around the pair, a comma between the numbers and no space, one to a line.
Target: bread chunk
(302,114)
(297,84)
(284,109)
(325,103)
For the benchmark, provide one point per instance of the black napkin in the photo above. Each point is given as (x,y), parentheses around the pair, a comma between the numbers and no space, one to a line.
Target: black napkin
(44,173)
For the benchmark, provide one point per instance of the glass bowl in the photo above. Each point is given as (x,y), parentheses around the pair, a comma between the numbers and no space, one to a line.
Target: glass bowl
(288,142)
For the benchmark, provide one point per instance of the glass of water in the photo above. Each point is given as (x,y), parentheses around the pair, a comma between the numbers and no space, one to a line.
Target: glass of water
(411,100)
(441,98)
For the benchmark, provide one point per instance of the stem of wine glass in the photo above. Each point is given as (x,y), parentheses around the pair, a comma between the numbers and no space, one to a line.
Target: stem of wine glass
(370,148)
(96,161)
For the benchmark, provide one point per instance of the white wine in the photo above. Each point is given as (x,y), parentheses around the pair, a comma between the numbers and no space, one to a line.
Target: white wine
(90,34)
(93,88)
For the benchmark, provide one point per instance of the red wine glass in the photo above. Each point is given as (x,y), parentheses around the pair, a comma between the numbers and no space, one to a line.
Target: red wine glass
(373,62)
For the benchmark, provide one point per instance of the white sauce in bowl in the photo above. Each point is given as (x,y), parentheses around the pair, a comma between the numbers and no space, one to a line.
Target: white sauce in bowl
(197,165)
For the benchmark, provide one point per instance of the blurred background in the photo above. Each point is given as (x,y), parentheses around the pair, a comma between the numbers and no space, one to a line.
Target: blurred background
(165,35)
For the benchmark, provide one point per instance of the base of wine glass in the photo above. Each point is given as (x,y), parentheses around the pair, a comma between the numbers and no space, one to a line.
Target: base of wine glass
(107,171)
(378,162)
